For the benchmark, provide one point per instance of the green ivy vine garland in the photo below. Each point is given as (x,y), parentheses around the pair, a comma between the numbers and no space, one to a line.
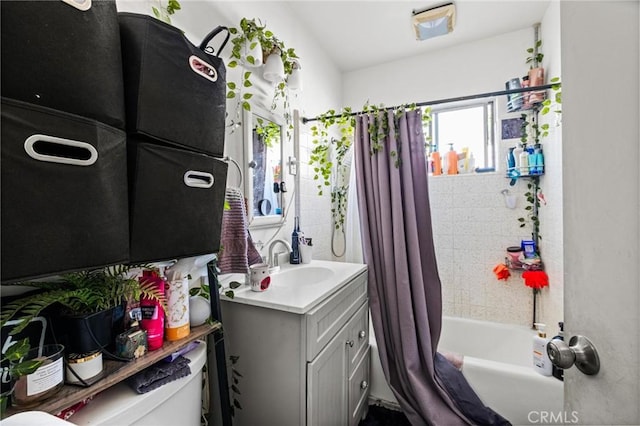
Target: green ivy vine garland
(324,146)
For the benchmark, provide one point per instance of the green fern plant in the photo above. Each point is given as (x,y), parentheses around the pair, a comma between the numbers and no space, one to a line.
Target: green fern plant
(81,293)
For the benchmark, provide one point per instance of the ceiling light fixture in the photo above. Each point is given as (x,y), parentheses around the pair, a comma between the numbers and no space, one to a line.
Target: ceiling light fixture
(435,21)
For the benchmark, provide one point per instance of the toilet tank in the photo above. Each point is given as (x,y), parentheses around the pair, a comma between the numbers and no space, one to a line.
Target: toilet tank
(176,403)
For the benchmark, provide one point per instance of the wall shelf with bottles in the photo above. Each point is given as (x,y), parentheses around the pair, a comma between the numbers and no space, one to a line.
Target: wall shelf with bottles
(114,373)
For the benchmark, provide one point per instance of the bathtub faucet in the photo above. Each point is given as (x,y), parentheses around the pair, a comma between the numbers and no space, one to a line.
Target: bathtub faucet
(273,257)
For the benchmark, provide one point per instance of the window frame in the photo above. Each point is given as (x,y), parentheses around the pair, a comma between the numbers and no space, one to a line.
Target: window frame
(489,118)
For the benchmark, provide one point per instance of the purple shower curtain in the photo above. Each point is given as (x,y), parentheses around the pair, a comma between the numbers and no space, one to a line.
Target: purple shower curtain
(404,287)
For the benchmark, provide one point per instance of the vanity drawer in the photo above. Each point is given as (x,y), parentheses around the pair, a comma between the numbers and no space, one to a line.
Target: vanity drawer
(358,336)
(358,392)
(323,322)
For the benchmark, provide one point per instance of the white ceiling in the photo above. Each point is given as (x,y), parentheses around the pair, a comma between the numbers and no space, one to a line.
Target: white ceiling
(359,34)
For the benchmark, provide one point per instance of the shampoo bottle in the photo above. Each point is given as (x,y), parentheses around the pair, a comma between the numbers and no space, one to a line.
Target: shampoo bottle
(541,362)
(539,156)
(436,163)
(452,161)
(511,159)
(524,166)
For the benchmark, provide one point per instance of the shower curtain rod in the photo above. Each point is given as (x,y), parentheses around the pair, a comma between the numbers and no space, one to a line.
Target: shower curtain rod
(458,99)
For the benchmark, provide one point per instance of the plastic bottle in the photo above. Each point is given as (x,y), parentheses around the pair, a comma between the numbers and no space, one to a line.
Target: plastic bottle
(437,163)
(539,156)
(152,312)
(472,163)
(294,259)
(541,362)
(463,163)
(177,325)
(558,372)
(511,159)
(452,161)
(517,155)
(523,163)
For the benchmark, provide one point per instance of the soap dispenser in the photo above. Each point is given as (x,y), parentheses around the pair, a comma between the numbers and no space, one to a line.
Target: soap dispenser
(541,362)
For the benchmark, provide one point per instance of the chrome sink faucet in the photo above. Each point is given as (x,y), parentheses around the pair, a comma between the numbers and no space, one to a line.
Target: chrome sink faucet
(273,257)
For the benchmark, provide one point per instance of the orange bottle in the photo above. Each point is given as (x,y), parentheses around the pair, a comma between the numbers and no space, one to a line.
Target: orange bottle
(452,161)
(436,163)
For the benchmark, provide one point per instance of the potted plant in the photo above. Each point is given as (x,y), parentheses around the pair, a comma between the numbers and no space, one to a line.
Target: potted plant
(252,44)
(13,358)
(86,298)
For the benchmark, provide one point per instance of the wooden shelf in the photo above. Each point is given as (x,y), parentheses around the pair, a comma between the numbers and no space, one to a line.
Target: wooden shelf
(114,373)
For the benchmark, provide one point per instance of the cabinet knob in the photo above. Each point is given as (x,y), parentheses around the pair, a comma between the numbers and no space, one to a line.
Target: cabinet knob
(362,334)
(364,385)
(350,343)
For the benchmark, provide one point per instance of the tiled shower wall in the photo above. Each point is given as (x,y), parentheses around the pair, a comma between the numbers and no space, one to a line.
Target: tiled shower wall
(472,227)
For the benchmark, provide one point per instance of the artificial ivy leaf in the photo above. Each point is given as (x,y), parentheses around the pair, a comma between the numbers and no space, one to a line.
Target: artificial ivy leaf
(251,60)
(247,83)
(231,85)
(26,367)
(246,106)
(232,64)
(231,95)
(230,294)
(247,96)
(234,284)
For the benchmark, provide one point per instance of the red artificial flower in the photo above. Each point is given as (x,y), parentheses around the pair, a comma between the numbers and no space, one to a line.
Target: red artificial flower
(535,279)
(501,271)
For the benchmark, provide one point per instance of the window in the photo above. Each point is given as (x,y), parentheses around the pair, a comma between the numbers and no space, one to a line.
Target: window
(469,126)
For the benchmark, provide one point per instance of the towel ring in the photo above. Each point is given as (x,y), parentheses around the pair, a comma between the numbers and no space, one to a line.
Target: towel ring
(235,163)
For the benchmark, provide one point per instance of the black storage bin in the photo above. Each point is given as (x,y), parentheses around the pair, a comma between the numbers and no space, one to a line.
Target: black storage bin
(174,91)
(57,56)
(64,192)
(176,202)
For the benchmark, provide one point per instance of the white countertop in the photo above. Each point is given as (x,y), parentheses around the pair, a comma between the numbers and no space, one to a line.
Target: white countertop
(324,279)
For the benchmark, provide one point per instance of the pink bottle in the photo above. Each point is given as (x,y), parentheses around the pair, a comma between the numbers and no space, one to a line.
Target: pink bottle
(152,312)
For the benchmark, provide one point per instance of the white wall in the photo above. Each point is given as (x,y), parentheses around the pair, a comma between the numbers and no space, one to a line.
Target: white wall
(472,226)
(322,84)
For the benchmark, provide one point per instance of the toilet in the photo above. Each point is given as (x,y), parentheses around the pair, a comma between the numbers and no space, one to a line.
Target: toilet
(175,403)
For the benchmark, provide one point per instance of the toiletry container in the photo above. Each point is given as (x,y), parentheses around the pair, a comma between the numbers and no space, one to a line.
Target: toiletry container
(436,163)
(152,312)
(517,155)
(452,161)
(177,324)
(511,159)
(175,403)
(523,163)
(541,362)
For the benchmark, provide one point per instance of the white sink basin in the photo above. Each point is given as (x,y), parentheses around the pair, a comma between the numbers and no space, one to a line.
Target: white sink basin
(297,288)
(301,275)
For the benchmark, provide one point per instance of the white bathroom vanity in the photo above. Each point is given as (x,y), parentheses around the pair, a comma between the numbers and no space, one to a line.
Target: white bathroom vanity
(303,346)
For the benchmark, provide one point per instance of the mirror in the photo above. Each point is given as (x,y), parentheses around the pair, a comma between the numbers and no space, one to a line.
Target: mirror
(263,152)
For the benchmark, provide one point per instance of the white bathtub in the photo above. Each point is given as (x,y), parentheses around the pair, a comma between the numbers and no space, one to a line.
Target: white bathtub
(497,364)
